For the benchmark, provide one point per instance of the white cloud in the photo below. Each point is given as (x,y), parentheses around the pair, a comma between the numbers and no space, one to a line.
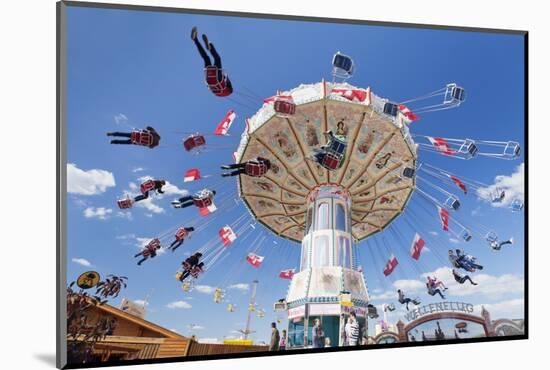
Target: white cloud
(434,233)
(127,215)
(454,241)
(512,185)
(150,203)
(510,309)
(82,261)
(91,182)
(125,236)
(409,286)
(138,169)
(241,286)
(205,289)
(489,286)
(196,327)
(174,330)
(141,302)
(179,304)
(120,119)
(101,213)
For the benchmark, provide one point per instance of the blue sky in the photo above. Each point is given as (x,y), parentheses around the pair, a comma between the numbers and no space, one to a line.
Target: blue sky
(141,68)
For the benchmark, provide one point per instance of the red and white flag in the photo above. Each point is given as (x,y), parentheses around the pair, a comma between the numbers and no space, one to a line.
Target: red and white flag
(444,216)
(417,246)
(225,123)
(408,113)
(192,174)
(254,259)
(459,183)
(227,235)
(351,95)
(441,145)
(390,265)
(286,274)
(205,211)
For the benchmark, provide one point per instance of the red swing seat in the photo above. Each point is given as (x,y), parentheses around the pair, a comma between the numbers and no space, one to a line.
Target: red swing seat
(147,186)
(181,233)
(284,106)
(255,169)
(217,86)
(331,161)
(141,137)
(125,203)
(203,202)
(194,142)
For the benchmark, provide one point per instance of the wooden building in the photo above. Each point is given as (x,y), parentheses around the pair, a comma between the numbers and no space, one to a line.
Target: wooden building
(136,338)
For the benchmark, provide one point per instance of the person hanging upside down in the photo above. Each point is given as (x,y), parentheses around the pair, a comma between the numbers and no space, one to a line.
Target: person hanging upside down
(148,186)
(201,199)
(148,137)
(218,82)
(180,236)
(189,264)
(254,168)
(496,245)
(150,251)
(405,300)
(461,279)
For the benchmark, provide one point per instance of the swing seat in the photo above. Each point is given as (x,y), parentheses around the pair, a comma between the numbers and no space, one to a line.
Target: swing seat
(230,308)
(466,235)
(454,95)
(452,203)
(147,186)
(284,106)
(202,202)
(390,109)
(517,205)
(155,243)
(181,233)
(408,172)
(255,169)
(472,149)
(218,87)
(331,161)
(194,142)
(458,93)
(125,203)
(141,137)
(491,237)
(178,275)
(251,308)
(342,66)
(186,286)
(337,146)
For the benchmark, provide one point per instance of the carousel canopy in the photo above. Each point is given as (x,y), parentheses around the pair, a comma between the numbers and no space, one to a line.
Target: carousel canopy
(379,149)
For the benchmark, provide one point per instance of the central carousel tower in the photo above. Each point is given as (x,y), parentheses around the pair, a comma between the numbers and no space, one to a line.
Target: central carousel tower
(328,210)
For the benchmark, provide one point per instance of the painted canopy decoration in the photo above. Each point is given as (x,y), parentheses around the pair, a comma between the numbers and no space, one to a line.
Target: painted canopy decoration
(379,148)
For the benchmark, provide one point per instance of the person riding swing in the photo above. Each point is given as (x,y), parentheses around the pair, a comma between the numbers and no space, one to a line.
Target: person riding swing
(218,82)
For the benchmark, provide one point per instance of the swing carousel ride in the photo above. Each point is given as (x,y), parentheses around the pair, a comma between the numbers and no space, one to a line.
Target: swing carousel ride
(326,165)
